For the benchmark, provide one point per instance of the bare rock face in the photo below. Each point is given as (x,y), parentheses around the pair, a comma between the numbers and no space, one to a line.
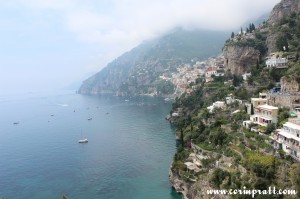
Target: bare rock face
(271,42)
(289,84)
(178,184)
(282,9)
(239,59)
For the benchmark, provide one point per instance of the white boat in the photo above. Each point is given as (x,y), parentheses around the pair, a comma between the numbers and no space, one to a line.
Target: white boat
(90,118)
(85,140)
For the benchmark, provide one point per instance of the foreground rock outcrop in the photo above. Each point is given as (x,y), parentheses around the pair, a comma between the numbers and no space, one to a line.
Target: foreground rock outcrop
(239,58)
(282,9)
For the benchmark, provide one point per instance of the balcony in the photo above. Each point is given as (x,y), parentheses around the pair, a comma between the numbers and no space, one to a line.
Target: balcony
(297,158)
(291,145)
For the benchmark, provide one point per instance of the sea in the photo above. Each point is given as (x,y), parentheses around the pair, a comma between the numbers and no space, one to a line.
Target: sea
(128,155)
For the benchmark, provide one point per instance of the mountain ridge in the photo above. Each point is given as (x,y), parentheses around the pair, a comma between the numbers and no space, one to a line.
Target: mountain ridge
(136,71)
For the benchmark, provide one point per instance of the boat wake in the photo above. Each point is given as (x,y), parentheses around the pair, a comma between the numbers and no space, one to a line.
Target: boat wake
(63,105)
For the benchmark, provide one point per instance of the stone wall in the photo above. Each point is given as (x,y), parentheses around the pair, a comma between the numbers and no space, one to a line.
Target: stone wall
(289,84)
(284,99)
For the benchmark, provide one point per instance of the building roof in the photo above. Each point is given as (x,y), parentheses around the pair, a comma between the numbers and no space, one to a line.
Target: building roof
(288,135)
(210,69)
(258,99)
(268,107)
(219,102)
(292,125)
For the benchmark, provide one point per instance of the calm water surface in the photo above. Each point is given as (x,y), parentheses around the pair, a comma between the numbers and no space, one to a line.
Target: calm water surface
(128,155)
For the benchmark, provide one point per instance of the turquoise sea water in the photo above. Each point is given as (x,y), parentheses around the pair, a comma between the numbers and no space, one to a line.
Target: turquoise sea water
(128,155)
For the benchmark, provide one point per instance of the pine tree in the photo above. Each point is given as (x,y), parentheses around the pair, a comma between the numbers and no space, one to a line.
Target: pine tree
(253,27)
(232,35)
(181,137)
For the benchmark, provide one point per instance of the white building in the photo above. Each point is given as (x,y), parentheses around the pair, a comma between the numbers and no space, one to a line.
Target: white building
(217,104)
(277,62)
(288,138)
(211,71)
(264,115)
(246,76)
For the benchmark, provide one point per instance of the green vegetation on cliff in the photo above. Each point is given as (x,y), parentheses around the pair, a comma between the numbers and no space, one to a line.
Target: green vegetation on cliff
(230,156)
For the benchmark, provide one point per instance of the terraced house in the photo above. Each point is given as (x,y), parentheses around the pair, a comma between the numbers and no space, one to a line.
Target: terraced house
(264,115)
(288,138)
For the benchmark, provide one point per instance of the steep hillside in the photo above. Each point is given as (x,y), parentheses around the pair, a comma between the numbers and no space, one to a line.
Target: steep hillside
(281,32)
(137,71)
(216,150)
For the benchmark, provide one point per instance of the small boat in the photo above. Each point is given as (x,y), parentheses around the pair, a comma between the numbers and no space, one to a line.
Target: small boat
(15,123)
(90,118)
(85,140)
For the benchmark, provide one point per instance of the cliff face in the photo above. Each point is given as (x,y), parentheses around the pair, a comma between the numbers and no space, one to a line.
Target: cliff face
(240,52)
(282,9)
(238,59)
(246,49)
(289,84)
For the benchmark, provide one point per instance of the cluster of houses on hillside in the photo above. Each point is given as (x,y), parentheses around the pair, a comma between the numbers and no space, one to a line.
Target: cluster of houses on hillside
(262,110)
(209,69)
(187,74)
(261,115)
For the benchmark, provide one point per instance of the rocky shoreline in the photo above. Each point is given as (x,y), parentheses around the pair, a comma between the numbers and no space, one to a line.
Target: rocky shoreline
(178,184)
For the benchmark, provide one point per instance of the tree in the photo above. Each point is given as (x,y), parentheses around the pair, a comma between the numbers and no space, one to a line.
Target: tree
(237,80)
(250,80)
(218,137)
(232,35)
(251,27)
(181,137)
(270,128)
(218,176)
(281,43)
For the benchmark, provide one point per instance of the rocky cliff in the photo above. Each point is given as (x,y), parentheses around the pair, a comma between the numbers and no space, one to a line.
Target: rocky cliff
(289,84)
(282,9)
(238,59)
(243,153)
(278,33)
(279,12)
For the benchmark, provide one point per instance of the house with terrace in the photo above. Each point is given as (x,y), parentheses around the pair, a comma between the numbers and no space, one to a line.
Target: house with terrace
(263,115)
(277,62)
(288,138)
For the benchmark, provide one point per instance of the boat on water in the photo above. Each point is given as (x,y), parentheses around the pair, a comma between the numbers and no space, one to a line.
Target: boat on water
(15,123)
(90,118)
(85,140)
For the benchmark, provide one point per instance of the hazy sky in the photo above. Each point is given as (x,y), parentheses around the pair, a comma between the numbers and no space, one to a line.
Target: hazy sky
(51,44)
